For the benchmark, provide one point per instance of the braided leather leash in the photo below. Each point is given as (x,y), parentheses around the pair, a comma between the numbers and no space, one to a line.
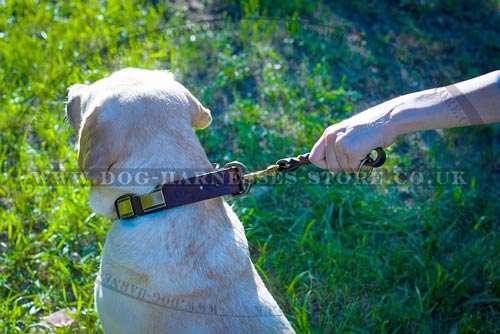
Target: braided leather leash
(293,163)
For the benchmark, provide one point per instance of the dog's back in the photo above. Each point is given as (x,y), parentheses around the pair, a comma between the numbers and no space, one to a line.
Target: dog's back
(184,270)
(195,276)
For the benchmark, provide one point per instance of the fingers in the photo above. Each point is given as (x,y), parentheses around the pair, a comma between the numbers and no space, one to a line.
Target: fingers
(339,154)
(335,151)
(341,151)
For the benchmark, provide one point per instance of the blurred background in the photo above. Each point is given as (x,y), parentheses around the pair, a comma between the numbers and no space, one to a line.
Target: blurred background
(413,253)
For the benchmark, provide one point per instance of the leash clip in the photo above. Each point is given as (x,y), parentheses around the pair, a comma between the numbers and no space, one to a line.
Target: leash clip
(271,170)
(241,171)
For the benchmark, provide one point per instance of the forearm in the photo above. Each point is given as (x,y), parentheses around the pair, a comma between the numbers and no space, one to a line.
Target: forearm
(343,145)
(471,102)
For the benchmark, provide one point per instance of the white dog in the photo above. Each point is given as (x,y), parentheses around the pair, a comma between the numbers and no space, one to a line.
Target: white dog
(181,270)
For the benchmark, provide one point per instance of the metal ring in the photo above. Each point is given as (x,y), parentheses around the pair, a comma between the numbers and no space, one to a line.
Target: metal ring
(241,170)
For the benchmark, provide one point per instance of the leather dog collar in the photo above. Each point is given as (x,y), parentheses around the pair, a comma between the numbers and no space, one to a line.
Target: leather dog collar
(227,181)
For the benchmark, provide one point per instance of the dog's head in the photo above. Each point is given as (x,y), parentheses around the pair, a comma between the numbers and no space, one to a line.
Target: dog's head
(135,119)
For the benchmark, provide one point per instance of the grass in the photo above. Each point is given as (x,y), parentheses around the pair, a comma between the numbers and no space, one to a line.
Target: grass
(340,258)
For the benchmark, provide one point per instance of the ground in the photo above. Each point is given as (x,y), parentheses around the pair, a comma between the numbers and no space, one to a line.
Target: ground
(414,253)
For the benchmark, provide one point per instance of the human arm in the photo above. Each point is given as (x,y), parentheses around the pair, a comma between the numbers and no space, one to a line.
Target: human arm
(343,145)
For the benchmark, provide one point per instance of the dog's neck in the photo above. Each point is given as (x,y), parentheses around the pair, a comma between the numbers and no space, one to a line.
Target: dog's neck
(159,168)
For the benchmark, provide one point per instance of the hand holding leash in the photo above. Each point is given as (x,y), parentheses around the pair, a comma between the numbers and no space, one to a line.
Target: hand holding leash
(291,164)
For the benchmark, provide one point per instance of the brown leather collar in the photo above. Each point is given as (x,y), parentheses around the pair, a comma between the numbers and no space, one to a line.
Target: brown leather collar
(227,181)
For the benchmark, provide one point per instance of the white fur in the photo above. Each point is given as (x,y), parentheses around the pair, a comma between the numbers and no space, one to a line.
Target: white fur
(184,270)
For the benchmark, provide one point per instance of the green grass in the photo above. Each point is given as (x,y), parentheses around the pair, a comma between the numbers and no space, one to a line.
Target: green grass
(391,258)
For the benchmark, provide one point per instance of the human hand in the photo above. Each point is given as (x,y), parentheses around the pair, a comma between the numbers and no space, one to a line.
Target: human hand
(344,145)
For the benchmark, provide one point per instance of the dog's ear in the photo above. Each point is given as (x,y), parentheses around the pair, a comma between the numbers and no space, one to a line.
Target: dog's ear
(74,104)
(94,155)
(200,116)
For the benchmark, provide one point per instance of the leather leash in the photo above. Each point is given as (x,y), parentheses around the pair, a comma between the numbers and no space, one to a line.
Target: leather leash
(234,179)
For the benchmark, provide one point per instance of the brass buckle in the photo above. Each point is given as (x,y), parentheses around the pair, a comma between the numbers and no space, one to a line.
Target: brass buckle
(124,207)
(153,201)
(241,170)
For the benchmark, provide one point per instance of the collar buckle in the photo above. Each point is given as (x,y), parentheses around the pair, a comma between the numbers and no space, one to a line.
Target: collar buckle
(124,207)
